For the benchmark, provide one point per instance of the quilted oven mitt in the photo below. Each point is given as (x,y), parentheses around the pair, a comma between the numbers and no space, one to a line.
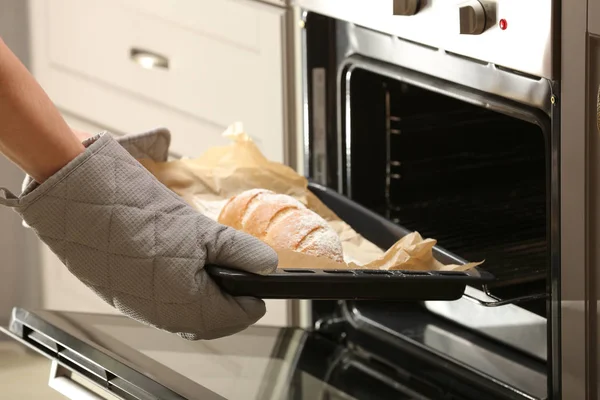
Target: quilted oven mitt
(137,244)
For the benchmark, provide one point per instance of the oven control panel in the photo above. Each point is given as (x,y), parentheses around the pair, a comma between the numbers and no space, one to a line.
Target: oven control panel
(514,34)
(474,16)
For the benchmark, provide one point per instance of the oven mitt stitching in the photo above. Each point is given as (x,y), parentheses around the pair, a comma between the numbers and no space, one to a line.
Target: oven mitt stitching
(37,191)
(139,246)
(153,144)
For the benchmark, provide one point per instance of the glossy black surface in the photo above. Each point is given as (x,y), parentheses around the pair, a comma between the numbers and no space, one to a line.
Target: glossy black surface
(448,357)
(345,284)
(272,363)
(260,363)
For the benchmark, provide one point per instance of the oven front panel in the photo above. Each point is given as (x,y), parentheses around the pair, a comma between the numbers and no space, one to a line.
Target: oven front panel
(523,45)
(477,180)
(486,162)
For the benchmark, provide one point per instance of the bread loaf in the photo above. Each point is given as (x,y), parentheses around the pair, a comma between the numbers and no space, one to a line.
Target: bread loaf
(282,222)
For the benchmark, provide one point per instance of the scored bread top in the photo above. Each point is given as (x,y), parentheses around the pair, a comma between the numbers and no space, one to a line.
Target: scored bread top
(282,222)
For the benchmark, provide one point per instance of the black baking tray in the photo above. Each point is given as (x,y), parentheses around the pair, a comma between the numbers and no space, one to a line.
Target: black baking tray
(317,284)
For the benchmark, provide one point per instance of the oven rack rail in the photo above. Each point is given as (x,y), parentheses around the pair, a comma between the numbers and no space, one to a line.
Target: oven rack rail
(498,302)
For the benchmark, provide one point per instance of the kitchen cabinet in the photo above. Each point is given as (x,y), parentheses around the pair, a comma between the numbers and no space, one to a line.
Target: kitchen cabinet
(222,61)
(193,66)
(594,17)
(19,278)
(12,246)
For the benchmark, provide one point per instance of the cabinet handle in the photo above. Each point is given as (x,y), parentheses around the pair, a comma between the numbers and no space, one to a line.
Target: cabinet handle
(148,60)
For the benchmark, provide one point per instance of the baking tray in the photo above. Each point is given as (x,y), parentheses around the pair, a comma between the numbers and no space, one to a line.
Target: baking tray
(317,284)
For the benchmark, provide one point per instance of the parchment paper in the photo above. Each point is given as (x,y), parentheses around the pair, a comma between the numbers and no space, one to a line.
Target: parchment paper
(207,182)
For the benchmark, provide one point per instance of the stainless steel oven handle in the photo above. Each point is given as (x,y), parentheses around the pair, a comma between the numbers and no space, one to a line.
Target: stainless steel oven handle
(60,380)
(503,302)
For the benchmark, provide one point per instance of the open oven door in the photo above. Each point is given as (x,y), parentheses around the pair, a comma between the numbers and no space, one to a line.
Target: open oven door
(107,356)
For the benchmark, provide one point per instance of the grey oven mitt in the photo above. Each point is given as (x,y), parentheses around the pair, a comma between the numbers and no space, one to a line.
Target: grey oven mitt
(153,144)
(139,246)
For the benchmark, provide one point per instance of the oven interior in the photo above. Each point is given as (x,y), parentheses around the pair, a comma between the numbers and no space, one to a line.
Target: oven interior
(475,179)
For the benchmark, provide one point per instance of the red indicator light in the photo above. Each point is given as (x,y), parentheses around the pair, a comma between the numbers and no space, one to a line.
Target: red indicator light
(503,24)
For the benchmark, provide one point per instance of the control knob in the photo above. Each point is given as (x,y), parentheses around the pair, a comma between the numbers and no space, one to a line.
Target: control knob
(472,18)
(406,7)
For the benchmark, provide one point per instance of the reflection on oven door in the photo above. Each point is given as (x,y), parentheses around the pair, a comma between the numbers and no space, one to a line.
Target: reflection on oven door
(509,324)
(485,361)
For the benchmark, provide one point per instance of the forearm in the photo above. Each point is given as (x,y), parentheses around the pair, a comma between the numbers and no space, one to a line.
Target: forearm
(32,132)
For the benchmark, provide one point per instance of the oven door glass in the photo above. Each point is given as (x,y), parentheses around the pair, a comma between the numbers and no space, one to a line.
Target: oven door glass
(260,363)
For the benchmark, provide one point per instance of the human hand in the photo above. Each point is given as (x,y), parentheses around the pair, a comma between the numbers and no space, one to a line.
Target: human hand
(33,134)
(139,246)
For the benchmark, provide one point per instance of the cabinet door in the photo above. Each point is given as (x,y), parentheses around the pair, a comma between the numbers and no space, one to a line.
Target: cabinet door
(13,266)
(221,61)
(594,16)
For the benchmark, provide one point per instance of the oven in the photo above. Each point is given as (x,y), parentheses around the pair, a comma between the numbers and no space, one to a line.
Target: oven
(474,122)
(443,117)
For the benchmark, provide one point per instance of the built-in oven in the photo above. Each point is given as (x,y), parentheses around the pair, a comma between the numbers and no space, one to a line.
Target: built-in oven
(443,118)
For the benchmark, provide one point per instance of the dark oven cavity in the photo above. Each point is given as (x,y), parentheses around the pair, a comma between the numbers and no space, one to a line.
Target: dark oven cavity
(473,178)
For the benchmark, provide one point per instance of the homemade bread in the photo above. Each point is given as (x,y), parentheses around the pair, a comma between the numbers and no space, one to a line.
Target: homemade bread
(282,222)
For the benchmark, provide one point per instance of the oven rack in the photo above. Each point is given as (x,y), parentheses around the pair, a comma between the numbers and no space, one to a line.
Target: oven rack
(530,266)
(519,257)
(497,302)
(384,233)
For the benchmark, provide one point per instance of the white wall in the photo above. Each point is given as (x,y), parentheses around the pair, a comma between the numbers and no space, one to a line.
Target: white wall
(19,248)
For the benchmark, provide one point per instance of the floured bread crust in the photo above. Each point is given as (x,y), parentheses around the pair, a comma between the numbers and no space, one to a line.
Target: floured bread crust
(282,222)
